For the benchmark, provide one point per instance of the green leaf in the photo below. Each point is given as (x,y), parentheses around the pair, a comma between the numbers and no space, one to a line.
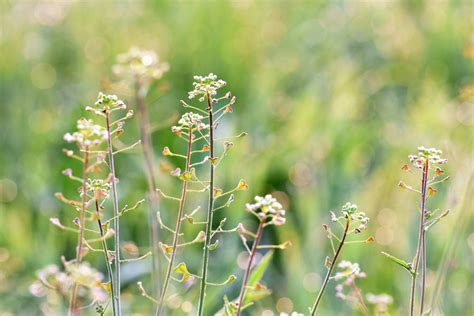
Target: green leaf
(400,262)
(259,271)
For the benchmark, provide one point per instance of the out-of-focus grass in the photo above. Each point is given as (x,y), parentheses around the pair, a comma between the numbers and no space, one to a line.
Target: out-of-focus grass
(334,97)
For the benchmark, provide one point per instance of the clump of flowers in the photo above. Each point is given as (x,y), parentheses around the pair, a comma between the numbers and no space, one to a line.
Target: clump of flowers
(197,128)
(206,86)
(428,162)
(353,222)
(268,211)
(95,143)
(347,279)
(57,284)
(140,64)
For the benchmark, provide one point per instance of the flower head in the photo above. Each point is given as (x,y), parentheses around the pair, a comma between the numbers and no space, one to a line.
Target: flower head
(267,207)
(99,187)
(432,155)
(107,103)
(140,64)
(190,120)
(204,85)
(346,277)
(87,134)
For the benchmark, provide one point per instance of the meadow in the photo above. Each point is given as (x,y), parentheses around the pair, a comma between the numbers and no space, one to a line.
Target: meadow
(307,116)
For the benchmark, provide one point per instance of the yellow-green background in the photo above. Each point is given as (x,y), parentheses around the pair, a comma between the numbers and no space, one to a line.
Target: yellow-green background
(334,96)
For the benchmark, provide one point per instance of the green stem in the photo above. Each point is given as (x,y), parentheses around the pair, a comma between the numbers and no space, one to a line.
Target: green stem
(420,247)
(202,294)
(116,215)
(177,230)
(82,216)
(249,265)
(328,275)
(106,255)
(144,126)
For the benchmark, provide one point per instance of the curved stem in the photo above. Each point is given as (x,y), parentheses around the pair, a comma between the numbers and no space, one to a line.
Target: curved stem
(182,201)
(202,294)
(106,255)
(328,275)
(420,247)
(154,200)
(82,216)
(116,215)
(249,265)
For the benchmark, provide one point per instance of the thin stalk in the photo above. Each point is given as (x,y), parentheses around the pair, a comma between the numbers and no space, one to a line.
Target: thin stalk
(177,230)
(82,216)
(202,294)
(424,254)
(328,275)
(360,299)
(249,265)
(144,126)
(420,247)
(116,215)
(106,255)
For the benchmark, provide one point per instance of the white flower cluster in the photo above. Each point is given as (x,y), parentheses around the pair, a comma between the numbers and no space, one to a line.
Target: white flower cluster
(188,121)
(138,64)
(109,102)
(204,85)
(99,187)
(88,133)
(268,207)
(350,272)
(350,211)
(433,156)
(51,277)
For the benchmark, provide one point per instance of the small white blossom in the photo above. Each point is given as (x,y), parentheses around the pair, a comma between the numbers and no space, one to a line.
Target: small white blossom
(206,85)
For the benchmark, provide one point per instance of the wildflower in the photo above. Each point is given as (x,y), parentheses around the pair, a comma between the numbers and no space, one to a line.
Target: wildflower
(87,134)
(346,277)
(267,207)
(139,64)
(191,120)
(433,156)
(109,102)
(206,85)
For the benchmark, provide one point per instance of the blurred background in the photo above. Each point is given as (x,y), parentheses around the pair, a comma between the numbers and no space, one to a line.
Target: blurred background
(334,96)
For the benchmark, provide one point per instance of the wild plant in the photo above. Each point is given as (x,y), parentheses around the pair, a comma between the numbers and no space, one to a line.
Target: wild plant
(381,302)
(95,144)
(269,212)
(139,69)
(352,222)
(426,162)
(197,129)
(347,279)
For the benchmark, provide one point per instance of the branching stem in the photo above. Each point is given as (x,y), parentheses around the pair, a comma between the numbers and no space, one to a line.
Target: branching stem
(153,197)
(106,255)
(182,201)
(82,216)
(328,275)
(249,265)
(202,294)
(421,247)
(116,295)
